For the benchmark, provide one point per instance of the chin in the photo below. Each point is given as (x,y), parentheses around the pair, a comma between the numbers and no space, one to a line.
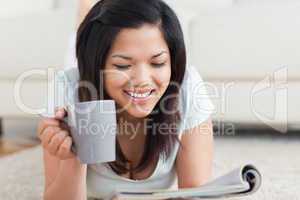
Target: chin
(139,112)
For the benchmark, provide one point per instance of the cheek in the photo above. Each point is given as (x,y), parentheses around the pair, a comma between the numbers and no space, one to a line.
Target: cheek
(114,81)
(162,77)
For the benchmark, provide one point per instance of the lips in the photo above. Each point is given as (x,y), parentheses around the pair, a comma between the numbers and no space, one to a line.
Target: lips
(139,95)
(140,91)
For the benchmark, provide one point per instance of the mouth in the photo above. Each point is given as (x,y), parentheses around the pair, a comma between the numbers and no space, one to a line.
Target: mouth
(139,97)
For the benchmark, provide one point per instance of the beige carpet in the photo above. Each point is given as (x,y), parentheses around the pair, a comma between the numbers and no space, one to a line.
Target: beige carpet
(21,174)
(277,157)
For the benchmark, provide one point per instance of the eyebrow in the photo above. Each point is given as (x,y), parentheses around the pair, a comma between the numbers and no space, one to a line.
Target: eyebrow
(129,58)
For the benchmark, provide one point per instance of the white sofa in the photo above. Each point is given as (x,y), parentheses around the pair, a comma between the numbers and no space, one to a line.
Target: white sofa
(248,51)
(33,36)
(235,47)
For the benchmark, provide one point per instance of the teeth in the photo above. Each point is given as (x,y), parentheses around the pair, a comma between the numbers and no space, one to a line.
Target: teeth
(136,95)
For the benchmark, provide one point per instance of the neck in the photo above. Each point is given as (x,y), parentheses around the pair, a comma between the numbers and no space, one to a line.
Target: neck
(129,126)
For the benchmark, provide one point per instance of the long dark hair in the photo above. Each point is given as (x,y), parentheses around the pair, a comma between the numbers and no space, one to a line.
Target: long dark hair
(95,37)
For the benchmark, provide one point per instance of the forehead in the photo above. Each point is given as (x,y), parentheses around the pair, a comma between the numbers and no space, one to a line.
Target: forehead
(146,39)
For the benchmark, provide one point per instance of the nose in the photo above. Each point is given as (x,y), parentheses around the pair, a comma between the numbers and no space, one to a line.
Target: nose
(141,76)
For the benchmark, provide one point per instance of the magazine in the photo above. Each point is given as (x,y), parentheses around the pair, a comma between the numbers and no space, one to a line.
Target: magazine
(244,180)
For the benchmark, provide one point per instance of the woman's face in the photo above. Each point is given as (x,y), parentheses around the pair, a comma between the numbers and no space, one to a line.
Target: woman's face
(138,70)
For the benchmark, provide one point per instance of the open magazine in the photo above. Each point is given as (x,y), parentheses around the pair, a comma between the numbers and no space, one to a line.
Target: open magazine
(244,180)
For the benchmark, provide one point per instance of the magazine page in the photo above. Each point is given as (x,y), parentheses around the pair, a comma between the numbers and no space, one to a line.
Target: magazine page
(240,181)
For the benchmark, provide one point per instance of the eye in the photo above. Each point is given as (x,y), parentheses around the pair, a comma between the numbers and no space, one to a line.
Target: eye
(158,64)
(122,66)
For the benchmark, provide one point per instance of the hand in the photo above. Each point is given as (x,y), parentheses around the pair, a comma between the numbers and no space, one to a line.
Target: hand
(55,136)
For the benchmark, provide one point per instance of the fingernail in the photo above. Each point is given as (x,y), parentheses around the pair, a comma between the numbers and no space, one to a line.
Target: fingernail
(59,114)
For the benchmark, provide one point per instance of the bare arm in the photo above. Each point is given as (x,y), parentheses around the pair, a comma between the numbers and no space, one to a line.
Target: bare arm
(194,160)
(69,179)
(65,176)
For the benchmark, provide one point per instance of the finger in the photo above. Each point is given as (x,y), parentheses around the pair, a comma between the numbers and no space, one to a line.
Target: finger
(56,140)
(60,113)
(44,123)
(49,132)
(64,126)
(64,150)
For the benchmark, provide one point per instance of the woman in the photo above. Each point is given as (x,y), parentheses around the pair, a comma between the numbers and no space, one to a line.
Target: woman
(140,43)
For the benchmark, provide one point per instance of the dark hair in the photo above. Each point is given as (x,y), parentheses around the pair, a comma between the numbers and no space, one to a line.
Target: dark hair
(95,37)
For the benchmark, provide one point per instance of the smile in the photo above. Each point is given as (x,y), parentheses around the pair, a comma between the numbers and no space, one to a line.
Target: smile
(139,97)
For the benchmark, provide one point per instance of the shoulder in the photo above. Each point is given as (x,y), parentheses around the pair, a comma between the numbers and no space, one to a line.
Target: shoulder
(192,78)
(191,83)
(195,105)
